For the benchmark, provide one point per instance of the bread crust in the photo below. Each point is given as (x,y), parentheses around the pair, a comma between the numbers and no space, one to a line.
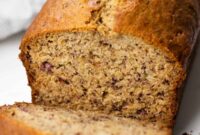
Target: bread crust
(9,126)
(172,25)
(57,16)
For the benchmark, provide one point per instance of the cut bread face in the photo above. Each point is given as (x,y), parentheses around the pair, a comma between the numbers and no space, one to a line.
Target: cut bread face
(22,119)
(115,74)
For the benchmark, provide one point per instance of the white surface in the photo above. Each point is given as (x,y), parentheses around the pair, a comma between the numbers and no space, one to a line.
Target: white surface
(15,15)
(13,82)
(13,86)
(189,115)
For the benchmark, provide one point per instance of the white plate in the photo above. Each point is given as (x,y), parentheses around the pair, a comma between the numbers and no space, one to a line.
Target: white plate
(13,86)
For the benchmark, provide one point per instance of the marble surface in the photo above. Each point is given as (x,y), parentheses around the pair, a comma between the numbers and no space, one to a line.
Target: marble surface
(14,88)
(16,15)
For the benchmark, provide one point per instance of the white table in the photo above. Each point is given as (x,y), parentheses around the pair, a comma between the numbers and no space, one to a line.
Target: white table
(13,81)
(14,88)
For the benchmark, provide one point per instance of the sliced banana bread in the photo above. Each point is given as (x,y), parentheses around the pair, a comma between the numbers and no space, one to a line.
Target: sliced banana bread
(29,119)
(121,57)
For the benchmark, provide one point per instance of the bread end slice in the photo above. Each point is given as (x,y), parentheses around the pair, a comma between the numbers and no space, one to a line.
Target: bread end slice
(29,119)
(10,126)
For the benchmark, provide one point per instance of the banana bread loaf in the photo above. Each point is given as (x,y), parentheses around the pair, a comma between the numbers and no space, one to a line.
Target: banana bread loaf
(121,57)
(29,119)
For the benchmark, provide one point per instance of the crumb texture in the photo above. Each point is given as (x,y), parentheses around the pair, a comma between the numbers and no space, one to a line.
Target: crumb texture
(116,74)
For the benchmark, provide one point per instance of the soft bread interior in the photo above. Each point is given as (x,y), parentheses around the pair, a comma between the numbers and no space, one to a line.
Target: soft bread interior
(55,121)
(116,74)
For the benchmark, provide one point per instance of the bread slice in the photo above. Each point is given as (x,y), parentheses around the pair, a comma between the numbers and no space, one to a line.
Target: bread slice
(121,57)
(29,119)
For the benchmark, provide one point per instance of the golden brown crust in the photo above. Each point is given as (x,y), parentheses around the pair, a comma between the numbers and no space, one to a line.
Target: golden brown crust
(171,24)
(60,15)
(9,126)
